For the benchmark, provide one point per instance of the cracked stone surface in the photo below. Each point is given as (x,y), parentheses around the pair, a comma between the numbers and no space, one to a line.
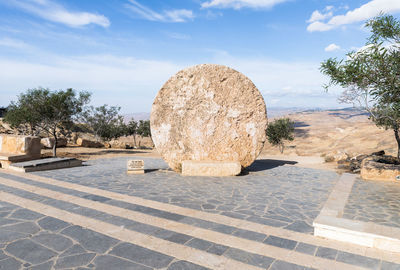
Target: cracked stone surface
(208,113)
(374,201)
(282,196)
(56,244)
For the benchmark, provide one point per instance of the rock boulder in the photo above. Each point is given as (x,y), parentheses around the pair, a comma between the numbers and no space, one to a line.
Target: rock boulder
(208,113)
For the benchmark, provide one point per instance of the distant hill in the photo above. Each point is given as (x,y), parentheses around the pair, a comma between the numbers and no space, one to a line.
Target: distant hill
(272,112)
(137,116)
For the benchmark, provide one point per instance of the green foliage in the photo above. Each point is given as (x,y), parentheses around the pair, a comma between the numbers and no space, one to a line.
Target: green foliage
(371,76)
(144,128)
(279,131)
(105,122)
(42,110)
(131,128)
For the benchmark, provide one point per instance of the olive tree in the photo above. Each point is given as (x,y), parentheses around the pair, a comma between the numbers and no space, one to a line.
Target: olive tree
(42,110)
(279,131)
(371,75)
(104,122)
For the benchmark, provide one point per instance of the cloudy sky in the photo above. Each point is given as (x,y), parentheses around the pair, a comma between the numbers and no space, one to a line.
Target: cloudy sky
(124,50)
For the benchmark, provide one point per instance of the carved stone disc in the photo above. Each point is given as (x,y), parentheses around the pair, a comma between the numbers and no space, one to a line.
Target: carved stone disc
(208,113)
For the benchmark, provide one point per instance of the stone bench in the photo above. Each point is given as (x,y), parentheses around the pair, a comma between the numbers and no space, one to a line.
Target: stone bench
(16,148)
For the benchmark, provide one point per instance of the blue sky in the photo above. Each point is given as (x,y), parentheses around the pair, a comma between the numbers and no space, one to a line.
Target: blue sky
(124,50)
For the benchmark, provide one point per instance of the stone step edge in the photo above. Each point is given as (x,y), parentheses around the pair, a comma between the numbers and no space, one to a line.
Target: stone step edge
(258,248)
(59,164)
(358,232)
(225,220)
(330,224)
(163,246)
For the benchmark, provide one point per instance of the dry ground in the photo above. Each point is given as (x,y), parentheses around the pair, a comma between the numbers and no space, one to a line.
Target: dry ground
(338,131)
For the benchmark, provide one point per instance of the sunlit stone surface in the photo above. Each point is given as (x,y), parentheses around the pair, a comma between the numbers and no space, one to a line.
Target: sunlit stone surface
(208,113)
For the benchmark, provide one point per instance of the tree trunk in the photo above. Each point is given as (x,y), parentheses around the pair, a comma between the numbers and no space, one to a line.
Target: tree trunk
(134,140)
(281,147)
(397,135)
(55,145)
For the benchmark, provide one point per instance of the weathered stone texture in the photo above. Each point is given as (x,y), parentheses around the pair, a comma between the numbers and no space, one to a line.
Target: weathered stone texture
(88,143)
(208,113)
(49,142)
(210,168)
(373,169)
(16,144)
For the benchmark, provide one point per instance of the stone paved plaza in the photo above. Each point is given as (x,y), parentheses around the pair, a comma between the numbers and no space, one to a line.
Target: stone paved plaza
(377,202)
(280,196)
(98,217)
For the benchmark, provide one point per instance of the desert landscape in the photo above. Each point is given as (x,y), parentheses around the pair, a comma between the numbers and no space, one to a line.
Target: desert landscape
(322,138)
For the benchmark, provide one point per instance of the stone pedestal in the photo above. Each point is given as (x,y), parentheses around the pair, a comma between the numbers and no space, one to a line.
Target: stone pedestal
(135,166)
(210,168)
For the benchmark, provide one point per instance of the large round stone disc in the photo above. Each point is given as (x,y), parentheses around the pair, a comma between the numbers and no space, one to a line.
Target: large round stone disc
(208,113)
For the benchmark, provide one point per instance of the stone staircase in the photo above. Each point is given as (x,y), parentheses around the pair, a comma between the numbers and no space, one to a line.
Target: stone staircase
(118,231)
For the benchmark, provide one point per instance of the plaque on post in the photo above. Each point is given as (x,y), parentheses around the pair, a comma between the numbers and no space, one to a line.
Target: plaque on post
(135,166)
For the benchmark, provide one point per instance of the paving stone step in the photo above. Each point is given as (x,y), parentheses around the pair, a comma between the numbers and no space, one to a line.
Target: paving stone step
(145,242)
(254,235)
(181,238)
(54,244)
(131,225)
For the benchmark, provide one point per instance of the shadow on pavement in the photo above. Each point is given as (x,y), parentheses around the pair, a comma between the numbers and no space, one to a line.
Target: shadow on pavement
(267,164)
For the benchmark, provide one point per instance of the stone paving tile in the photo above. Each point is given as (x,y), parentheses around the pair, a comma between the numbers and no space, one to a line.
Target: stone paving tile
(184,265)
(281,265)
(56,244)
(289,197)
(53,241)
(198,244)
(377,202)
(10,263)
(52,224)
(358,260)
(280,242)
(25,214)
(250,235)
(141,255)
(107,262)
(217,249)
(89,239)
(327,253)
(306,248)
(390,266)
(74,260)
(29,251)
(249,258)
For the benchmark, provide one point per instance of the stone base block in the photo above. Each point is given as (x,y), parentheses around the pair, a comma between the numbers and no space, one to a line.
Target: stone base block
(135,172)
(372,169)
(210,168)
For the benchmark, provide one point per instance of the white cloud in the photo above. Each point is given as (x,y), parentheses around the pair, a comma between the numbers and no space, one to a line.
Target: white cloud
(238,4)
(318,16)
(328,8)
(133,83)
(176,15)
(366,11)
(13,43)
(332,47)
(56,13)
(125,81)
(180,36)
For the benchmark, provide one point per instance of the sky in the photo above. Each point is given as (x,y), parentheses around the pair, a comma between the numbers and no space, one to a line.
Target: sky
(123,51)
